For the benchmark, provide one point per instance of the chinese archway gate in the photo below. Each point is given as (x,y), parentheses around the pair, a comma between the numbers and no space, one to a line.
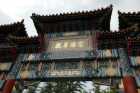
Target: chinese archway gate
(72,46)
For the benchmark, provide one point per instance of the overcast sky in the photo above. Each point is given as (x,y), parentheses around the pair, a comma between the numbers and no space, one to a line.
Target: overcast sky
(16,10)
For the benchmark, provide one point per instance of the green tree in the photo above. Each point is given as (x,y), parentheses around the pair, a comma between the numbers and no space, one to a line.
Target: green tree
(97,89)
(64,87)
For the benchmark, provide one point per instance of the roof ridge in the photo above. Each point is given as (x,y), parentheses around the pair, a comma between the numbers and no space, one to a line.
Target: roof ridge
(73,13)
(14,28)
(23,37)
(129,13)
(13,23)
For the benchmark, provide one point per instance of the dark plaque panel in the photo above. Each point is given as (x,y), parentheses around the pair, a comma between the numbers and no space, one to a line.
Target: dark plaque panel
(68,47)
(74,43)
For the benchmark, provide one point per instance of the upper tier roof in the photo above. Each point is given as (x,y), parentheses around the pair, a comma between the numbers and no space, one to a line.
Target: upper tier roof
(15,35)
(128,19)
(25,44)
(24,40)
(96,19)
(16,29)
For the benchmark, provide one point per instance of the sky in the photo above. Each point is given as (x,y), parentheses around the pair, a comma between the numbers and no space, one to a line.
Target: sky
(16,10)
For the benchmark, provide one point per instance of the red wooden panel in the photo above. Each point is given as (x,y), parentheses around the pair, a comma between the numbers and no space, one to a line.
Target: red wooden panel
(129,84)
(14,52)
(8,86)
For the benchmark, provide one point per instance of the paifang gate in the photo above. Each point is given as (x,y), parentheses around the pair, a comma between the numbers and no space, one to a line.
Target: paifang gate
(76,46)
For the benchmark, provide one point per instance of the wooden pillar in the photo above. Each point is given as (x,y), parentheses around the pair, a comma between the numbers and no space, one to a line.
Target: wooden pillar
(8,86)
(41,41)
(10,83)
(14,53)
(129,84)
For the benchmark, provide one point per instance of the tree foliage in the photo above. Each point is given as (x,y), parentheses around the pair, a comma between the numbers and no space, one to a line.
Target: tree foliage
(64,87)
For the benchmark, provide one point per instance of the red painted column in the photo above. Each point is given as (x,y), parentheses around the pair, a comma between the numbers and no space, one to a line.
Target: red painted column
(10,83)
(129,46)
(129,84)
(8,86)
(14,53)
(41,40)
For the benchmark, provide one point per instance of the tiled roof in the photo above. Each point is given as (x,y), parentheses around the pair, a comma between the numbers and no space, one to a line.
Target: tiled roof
(16,28)
(128,19)
(99,18)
